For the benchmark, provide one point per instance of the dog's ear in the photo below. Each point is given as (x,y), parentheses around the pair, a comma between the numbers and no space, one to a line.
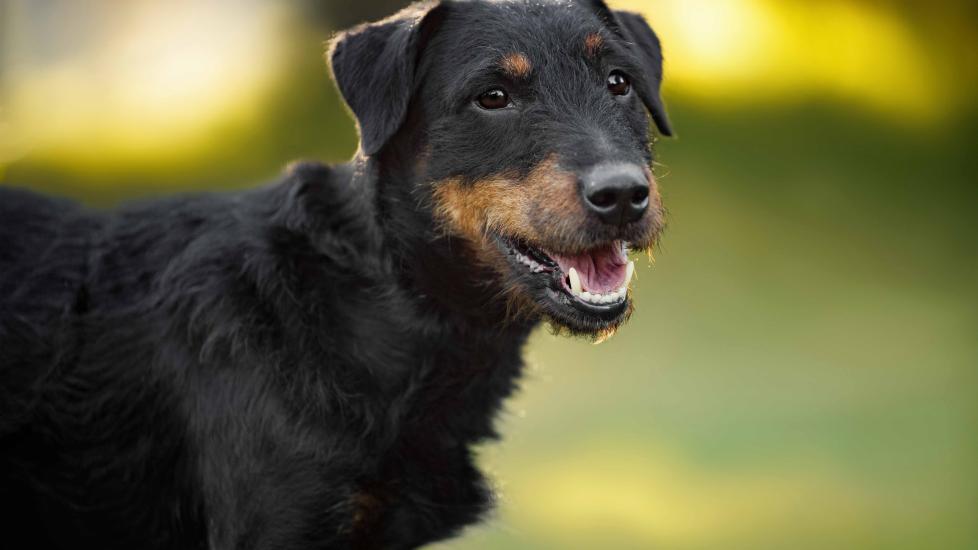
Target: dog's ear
(633,28)
(374,67)
(647,46)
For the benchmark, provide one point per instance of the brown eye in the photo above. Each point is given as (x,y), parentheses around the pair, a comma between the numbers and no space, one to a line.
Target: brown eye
(618,83)
(496,98)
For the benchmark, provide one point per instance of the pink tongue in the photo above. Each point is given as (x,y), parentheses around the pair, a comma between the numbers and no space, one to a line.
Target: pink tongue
(602,270)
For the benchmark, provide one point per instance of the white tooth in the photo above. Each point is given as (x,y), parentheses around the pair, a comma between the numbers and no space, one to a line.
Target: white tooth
(630,271)
(607,298)
(587,297)
(575,281)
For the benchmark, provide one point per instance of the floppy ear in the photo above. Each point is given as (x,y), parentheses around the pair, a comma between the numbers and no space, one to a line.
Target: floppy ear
(374,65)
(637,31)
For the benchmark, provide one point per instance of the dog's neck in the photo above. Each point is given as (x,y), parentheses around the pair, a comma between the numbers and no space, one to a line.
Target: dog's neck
(437,269)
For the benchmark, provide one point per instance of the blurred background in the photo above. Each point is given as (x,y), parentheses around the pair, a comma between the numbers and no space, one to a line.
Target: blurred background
(802,370)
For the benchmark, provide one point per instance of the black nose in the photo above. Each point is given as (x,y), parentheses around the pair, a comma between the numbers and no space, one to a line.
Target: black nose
(618,193)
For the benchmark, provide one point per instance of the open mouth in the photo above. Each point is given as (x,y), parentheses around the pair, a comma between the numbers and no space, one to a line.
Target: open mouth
(594,282)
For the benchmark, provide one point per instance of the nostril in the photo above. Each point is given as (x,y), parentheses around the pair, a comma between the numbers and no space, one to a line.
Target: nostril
(604,198)
(640,195)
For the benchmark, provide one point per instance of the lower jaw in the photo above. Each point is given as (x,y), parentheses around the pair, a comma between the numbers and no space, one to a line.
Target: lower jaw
(565,313)
(602,311)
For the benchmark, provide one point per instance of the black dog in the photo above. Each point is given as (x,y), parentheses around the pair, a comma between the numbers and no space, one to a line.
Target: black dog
(306,365)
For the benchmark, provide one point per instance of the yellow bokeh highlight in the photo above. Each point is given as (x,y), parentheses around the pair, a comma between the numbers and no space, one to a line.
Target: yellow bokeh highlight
(736,52)
(150,81)
(151,84)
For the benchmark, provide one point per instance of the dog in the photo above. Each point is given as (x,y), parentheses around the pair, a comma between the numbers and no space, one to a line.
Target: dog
(308,364)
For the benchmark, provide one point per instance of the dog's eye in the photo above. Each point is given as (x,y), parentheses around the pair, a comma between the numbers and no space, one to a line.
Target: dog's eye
(496,98)
(618,83)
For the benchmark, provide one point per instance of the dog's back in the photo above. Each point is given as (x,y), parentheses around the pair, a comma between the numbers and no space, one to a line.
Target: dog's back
(42,268)
(115,328)
(43,249)
(76,401)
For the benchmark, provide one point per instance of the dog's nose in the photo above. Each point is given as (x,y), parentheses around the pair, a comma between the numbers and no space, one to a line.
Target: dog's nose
(617,193)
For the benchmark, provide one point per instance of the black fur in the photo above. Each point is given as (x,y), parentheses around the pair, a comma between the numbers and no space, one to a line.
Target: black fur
(304,365)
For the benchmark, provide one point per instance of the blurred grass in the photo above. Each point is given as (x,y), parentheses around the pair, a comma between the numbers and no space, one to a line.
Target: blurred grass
(802,368)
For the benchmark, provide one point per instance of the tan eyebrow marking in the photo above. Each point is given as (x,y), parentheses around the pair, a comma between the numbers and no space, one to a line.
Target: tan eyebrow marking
(593,44)
(516,65)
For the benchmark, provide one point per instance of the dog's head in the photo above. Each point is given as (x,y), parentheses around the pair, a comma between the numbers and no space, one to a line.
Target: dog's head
(527,124)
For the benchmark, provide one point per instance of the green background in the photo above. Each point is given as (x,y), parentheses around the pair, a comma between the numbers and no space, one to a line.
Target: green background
(801,369)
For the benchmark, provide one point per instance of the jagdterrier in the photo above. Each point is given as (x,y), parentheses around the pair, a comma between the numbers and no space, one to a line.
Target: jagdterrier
(307,365)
